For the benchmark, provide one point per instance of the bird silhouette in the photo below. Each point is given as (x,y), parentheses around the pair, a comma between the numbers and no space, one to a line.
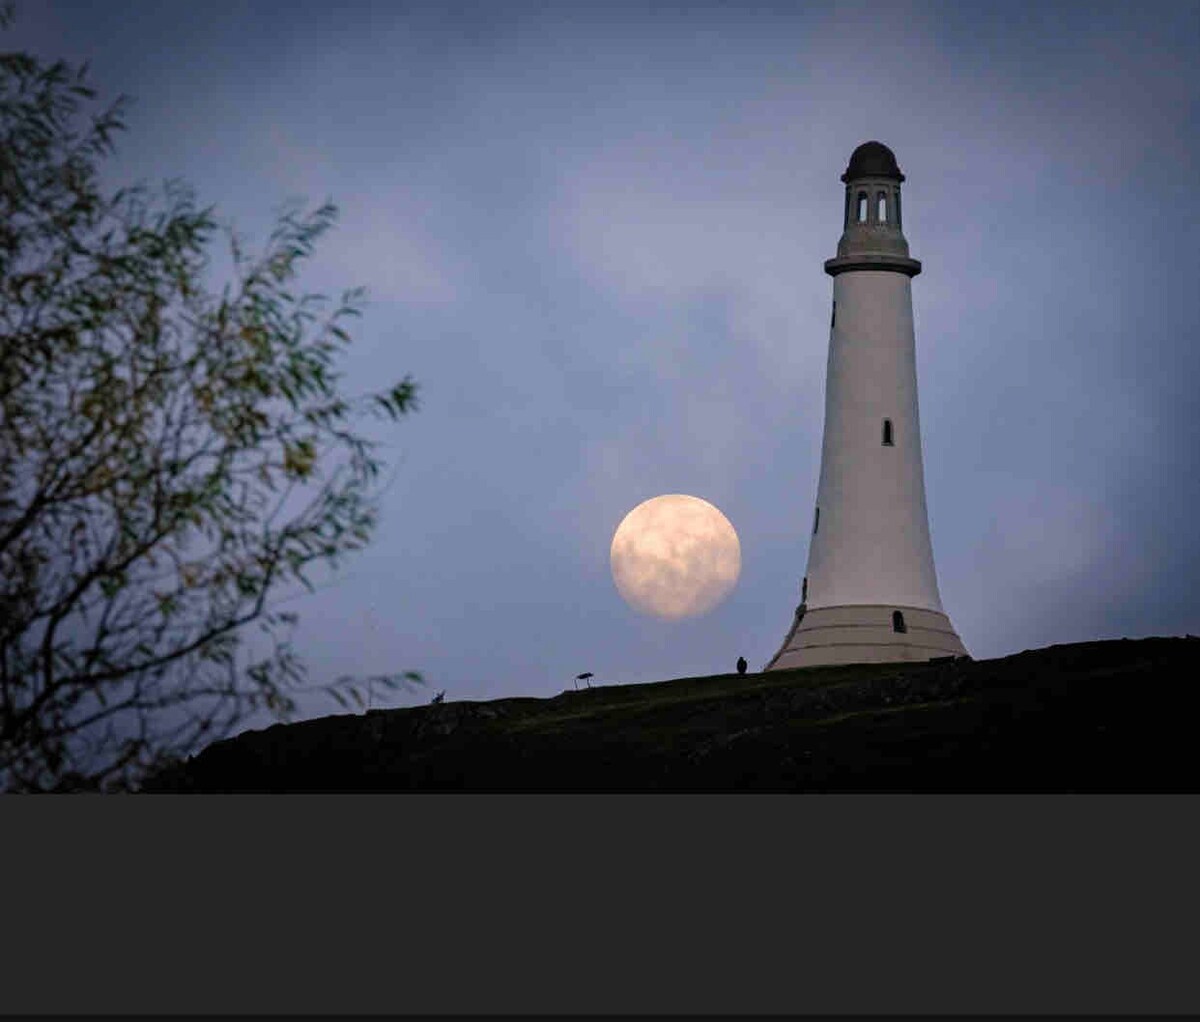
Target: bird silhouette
(741,665)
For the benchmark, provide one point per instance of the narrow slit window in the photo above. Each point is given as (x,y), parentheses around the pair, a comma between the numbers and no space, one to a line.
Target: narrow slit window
(804,590)
(862,207)
(816,520)
(833,316)
(849,203)
(881,207)
(898,624)
(887,433)
(896,206)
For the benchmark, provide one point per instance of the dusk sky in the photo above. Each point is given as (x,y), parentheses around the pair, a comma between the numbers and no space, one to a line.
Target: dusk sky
(594,234)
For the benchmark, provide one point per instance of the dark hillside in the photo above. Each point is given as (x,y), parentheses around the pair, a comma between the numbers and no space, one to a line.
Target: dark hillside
(1098,716)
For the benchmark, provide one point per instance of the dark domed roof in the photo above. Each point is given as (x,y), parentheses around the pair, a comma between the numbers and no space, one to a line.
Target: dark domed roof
(872,159)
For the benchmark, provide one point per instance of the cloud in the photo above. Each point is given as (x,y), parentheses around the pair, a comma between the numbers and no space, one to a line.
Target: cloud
(1052,533)
(392,258)
(379,242)
(655,222)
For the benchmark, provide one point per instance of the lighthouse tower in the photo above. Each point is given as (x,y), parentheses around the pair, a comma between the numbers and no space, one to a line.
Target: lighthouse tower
(870,593)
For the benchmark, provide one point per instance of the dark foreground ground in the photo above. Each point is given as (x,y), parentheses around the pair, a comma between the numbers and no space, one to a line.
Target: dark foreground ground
(1117,716)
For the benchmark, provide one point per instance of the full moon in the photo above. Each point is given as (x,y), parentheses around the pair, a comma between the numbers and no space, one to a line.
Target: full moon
(675,556)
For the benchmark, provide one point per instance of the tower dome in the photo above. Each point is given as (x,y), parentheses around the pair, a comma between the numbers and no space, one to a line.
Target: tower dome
(872,159)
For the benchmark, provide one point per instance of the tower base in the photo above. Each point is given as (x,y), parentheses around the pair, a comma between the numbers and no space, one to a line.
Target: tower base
(865,634)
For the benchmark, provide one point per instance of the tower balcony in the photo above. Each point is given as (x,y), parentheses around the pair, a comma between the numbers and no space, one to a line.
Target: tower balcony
(872,261)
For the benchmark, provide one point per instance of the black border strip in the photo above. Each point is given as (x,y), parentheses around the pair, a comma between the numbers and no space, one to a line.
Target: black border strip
(598,905)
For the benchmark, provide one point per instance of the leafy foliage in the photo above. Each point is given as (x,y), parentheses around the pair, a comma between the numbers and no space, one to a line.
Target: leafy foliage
(172,462)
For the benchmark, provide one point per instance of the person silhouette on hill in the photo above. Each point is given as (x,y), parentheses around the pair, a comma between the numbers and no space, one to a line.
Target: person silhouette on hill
(741,665)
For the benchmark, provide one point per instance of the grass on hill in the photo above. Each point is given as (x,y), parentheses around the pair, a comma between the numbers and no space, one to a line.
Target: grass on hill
(1116,715)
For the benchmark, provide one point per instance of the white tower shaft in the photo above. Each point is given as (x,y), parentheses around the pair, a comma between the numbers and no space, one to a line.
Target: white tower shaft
(870,592)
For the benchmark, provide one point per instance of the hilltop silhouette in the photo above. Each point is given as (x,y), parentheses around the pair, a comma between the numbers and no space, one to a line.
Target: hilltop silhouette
(1097,716)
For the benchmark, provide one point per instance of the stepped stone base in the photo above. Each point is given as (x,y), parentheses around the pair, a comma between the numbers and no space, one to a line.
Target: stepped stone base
(864,635)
